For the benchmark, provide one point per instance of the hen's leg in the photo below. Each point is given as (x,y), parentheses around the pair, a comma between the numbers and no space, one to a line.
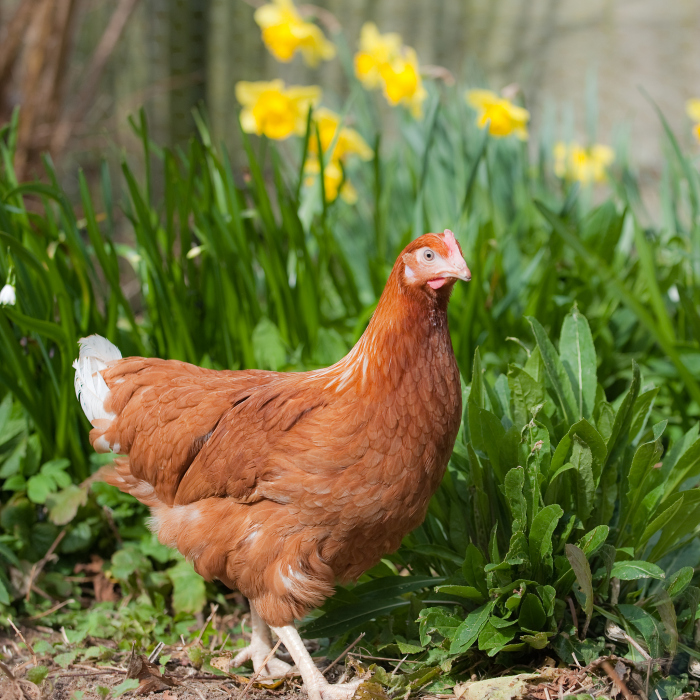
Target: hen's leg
(258,649)
(317,687)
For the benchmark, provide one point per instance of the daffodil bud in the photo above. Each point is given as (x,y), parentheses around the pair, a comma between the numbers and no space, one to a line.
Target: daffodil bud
(8,296)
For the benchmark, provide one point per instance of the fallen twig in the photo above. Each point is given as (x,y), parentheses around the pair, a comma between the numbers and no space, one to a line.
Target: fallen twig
(21,636)
(36,568)
(343,654)
(214,608)
(612,673)
(254,677)
(51,610)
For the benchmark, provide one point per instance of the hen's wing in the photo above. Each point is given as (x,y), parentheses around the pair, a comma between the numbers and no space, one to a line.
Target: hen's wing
(165,412)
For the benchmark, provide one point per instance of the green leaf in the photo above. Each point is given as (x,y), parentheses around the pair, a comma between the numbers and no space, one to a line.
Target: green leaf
(543,525)
(189,592)
(64,505)
(514,481)
(537,641)
(679,581)
(473,568)
(462,591)
(532,615)
(36,674)
(582,569)
(345,618)
(623,417)
(268,346)
(633,570)
(556,373)
(641,411)
(582,461)
(125,686)
(39,487)
(468,631)
(645,624)
(591,541)
(527,393)
(493,639)
(579,360)
(436,620)
(66,659)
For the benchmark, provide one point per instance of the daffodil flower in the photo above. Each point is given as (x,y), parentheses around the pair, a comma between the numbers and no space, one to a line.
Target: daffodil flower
(285,32)
(271,109)
(383,61)
(692,108)
(503,117)
(585,165)
(8,296)
(348,143)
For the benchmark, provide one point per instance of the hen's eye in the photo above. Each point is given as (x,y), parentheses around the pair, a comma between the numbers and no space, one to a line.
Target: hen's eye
(428,255)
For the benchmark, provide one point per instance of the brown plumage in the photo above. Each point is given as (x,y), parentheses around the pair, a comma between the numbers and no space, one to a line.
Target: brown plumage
(280,484)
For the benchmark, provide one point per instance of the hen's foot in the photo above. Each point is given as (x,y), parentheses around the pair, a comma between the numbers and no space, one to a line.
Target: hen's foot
(257,651)
(323,690)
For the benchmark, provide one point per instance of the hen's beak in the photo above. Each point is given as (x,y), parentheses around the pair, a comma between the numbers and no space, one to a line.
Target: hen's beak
(457,268)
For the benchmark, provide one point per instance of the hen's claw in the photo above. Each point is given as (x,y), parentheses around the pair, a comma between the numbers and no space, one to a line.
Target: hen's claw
(257,651)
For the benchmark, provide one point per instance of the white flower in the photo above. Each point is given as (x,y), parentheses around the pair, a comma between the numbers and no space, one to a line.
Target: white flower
(673,294)
(7,295)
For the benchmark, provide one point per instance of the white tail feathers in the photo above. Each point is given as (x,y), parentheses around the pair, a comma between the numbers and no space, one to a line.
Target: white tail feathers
(90,387)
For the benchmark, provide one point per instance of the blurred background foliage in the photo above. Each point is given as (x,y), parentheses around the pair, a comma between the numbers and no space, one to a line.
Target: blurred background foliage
(239,255)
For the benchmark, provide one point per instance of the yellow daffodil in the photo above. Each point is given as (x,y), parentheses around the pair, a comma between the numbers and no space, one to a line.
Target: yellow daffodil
(504,117)
(285,32)
(376,50)
(574,162)
(333,180)
(271,109)
(692,107)
(348,142)
(383,61)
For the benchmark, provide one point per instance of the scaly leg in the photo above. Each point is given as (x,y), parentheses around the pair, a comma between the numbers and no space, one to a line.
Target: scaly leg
(317,687)
(258,649)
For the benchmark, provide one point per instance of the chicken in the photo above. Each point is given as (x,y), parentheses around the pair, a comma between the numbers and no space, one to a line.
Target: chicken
(282,484)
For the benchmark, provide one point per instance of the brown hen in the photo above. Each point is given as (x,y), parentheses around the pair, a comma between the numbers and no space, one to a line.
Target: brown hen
(281,484)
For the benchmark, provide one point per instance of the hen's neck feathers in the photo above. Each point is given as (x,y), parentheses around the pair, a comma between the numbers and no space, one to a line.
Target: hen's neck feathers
(408,327)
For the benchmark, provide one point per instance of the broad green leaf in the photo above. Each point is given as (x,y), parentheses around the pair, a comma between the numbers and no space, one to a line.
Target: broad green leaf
(438,620)
(532,615)
(66,659)
(468,631)
(514,482)
(527,394)
(555,372)
(189,593)
(582,461)
(687,467)
(645,624)
(64,504)
(579,360)
(659,522)
(679,581)
(537,641)
(468,592)
(493,639)
(487,434)
(347,617)
(667,613)
(268,346)
(473,568)
(623,417)
(641,411)
(540,538)
(124,687)
(582,569)
(592,541)
(4,594)
(393,586)
(632,570)
(39,487)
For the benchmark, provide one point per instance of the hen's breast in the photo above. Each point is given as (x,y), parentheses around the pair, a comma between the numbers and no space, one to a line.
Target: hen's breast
(413,418)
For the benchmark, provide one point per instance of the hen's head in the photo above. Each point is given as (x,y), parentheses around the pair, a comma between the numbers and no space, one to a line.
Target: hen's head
(433,263)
